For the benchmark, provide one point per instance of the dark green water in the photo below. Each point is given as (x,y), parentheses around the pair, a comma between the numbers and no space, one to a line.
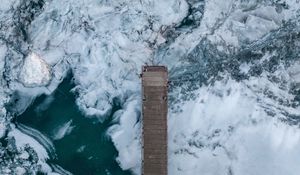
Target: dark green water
(86,150)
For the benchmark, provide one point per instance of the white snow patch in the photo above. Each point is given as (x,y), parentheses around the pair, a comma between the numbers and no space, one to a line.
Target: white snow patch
(268,148)
(20,171)
(22,140)
(35,71)
(24,155)
(2,127)
(227,129)
(126,136)
(254,28)
(244,68)
(170,12)
(245,22)
(3,50)
(7,5)
(294,71)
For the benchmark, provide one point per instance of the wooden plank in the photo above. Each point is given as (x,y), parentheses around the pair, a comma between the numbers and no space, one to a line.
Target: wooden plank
(153,101)
(150,78)
(155,89)
(154,83)
(154,115)
(155,108)
(156,122)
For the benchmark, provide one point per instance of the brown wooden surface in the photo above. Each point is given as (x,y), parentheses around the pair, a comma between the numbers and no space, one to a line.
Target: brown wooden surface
(155,108)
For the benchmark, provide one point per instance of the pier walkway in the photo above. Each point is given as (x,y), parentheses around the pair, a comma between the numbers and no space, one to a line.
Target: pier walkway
(155,108)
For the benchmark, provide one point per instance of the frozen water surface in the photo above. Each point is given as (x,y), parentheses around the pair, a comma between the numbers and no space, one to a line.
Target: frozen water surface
(234,94)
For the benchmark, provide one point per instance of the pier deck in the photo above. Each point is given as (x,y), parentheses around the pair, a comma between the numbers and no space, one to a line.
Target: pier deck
(155,108)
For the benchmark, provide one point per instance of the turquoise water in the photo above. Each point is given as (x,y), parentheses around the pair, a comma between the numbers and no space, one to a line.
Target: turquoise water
(86,150)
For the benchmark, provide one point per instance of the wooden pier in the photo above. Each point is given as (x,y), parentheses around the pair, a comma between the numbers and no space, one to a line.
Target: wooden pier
(155,108)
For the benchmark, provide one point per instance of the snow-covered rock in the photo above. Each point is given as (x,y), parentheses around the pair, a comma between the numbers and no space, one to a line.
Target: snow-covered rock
(35,71)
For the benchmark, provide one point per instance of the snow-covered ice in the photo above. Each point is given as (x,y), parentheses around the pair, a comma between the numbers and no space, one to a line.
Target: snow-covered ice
(238,112)
(35,71)
(22,140)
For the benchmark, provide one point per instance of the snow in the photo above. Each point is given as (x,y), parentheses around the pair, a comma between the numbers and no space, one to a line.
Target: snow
(269,148)
(126,134)
(2,127)
(3,50)
(169,11)
(4,98)
(256,27)
(24,155)
(103,59)
(244,68)
(23,139)
(294,71)
(37,136)
(226,128)
(246,23)
(7,5)
(35,71)
(20,171)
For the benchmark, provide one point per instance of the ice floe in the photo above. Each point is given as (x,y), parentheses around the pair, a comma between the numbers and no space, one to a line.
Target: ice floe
(63,130)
